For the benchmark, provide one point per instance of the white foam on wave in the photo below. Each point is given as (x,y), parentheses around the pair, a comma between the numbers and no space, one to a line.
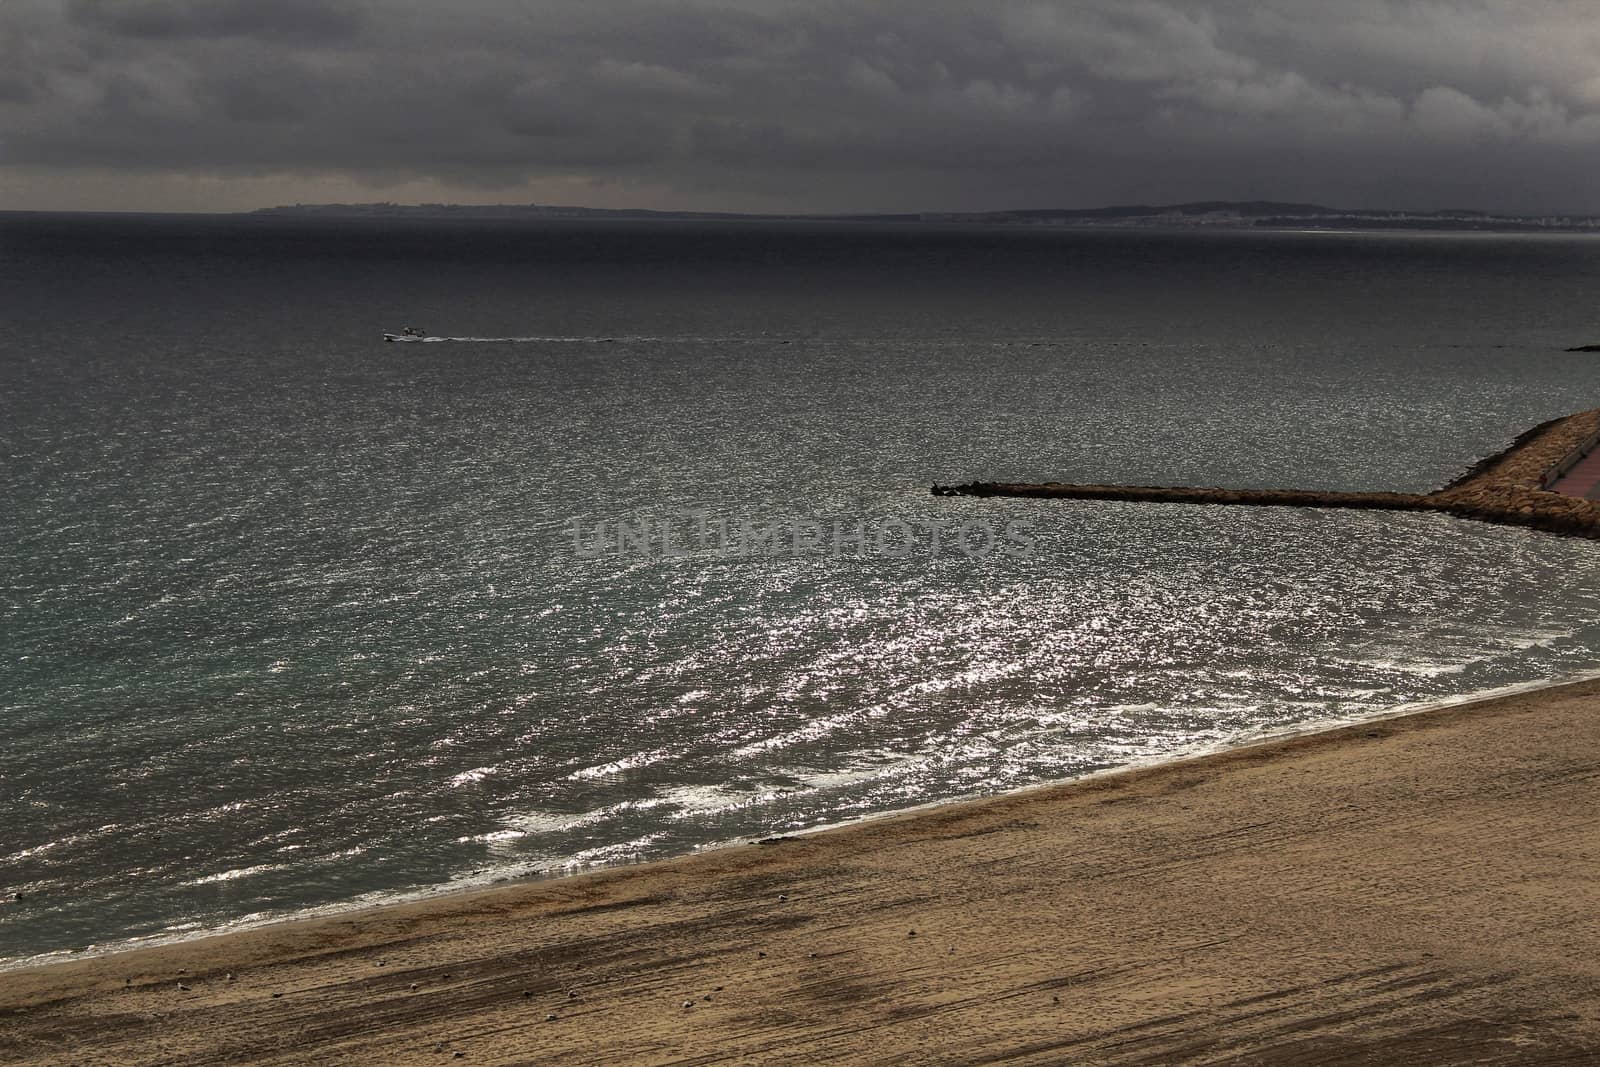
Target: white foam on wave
(477,774)
(626,763)
(621,853)
(812,731)
(234,875)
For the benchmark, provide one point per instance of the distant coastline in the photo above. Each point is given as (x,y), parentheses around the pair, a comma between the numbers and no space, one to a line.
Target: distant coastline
(1224,214)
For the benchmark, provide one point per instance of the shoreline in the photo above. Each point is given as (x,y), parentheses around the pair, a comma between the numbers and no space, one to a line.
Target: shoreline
(360,905)
(1470,788)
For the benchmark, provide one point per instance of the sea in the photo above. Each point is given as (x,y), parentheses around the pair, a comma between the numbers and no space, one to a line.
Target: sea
(643,559)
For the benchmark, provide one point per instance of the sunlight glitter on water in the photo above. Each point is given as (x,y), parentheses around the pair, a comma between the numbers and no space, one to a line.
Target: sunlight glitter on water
(292,624)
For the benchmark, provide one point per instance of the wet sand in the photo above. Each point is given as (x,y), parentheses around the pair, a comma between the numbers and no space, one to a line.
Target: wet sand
(1418,890)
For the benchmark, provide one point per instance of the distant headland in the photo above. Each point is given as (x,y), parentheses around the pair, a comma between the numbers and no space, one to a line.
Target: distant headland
(1264,214)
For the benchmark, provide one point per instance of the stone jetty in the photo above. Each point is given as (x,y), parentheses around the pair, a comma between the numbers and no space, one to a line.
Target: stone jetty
(1512,487)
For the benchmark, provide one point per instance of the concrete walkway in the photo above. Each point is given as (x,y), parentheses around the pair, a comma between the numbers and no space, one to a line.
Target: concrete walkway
(1582,481)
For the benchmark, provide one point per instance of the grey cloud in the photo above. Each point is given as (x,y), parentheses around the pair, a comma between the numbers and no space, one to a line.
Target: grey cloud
(274,20)
(14,90)
(927,104)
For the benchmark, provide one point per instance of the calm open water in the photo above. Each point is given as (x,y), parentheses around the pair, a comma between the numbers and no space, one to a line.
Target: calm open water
(291,618)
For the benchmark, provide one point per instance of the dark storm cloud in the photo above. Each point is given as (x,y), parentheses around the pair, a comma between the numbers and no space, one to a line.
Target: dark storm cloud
(925,103)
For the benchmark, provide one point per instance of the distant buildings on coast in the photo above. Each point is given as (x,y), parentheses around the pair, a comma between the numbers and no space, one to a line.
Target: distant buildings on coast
(1213,214)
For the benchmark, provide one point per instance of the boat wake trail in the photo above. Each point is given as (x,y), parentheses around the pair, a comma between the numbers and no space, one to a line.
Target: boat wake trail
(642,339)
(578,340)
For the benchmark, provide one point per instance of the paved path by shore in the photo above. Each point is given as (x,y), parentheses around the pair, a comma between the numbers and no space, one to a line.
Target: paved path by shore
(1583,480)
(1412,891)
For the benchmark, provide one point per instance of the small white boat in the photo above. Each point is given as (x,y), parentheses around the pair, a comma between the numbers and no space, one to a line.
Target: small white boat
(410,333)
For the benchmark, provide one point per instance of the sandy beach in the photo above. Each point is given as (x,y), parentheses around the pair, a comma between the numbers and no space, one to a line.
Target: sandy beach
(1414,890)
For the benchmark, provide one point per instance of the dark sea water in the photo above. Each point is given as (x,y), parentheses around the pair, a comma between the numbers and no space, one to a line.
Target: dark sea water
(292,618)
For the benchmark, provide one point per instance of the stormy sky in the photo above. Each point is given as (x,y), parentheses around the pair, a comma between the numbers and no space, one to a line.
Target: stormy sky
(758,105)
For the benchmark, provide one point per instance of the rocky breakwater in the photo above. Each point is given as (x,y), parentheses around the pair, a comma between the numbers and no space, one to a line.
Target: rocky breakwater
(1152,494)
(1507,488)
